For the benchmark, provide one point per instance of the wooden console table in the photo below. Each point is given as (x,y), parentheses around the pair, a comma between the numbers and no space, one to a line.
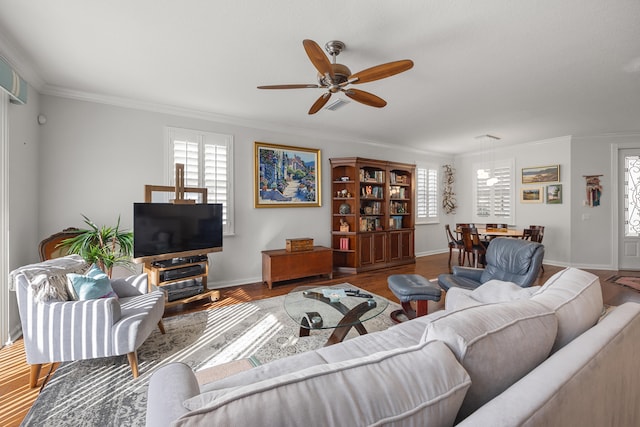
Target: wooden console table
(279,265)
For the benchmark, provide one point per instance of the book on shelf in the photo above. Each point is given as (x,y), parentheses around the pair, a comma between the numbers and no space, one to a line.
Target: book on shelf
(395,178)
(398,207)
(344,243)
(371,176)
(398,192)
(395,222)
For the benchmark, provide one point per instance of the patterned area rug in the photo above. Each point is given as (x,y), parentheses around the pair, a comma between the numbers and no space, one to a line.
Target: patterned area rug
(628,281)
(101,392)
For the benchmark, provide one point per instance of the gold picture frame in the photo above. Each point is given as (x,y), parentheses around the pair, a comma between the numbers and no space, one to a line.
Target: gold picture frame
(532,195)
(286,176)
(540,174)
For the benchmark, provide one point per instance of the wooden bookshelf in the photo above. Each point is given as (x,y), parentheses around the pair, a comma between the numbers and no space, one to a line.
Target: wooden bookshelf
(372,219)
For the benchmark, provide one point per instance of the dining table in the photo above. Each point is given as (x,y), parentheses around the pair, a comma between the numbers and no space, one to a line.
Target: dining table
(497,232)
(501,232)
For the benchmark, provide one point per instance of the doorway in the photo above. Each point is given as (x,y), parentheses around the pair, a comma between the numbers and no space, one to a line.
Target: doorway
(629,209)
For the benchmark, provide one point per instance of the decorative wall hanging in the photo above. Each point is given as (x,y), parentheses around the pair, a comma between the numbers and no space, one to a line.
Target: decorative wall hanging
(554,194)
(594,190)
(540,174)
(286,176)
(449,203)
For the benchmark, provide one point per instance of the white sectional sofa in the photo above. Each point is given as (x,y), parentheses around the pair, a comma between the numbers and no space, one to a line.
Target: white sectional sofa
(550,356)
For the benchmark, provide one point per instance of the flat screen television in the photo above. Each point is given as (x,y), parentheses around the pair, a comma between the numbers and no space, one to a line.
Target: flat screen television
(167,230)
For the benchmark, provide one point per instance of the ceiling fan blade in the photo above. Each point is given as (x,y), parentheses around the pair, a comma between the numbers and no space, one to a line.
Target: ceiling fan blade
(302,86)
(365,97)
(381,71)
(318,58)
(320,103)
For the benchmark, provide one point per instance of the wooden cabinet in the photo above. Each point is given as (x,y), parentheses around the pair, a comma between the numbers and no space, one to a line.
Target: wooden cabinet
(279,264)
(372,220)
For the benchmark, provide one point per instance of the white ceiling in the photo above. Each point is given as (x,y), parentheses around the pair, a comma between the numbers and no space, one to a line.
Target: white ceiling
(519,69)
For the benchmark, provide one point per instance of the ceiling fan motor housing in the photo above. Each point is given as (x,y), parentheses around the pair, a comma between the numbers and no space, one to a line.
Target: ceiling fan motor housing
(341,74)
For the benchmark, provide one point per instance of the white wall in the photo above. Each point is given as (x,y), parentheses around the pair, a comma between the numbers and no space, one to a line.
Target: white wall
(555,218)
(594,229)
(97,159)
(24,193)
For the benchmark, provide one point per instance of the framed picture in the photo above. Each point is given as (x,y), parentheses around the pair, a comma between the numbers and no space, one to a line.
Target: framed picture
(286,176)
(532,195)
(554,194)
(541,174)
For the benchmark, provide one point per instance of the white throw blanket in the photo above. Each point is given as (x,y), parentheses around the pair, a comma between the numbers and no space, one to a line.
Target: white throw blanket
(48,279)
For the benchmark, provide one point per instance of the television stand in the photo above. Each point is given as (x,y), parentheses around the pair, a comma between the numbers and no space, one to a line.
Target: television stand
(167,273)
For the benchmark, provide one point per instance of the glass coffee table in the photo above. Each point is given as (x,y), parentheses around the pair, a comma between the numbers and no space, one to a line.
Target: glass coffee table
(339,307)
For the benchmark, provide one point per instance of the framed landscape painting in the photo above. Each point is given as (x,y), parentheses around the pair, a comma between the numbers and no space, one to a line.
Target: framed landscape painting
(286,176)
(554,194)
(532,195)
(541,174)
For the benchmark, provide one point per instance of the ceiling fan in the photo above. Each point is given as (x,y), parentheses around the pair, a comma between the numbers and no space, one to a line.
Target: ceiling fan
(336,77)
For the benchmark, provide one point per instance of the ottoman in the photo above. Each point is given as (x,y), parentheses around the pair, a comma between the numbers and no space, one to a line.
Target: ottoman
(412,287)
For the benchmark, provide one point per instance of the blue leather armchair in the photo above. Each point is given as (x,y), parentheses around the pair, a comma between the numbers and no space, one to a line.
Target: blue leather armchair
(508,259)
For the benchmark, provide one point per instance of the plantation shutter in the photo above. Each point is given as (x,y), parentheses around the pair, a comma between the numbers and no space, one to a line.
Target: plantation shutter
(432,193)
(207,163)
(495,203)
(426,194)
(186,152)
(502,193)
(215,175)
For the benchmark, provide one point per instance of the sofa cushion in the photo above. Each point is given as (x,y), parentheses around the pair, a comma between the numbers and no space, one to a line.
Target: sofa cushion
(428,388)
(404,334)
(496,343)
(493,291)
(576,296)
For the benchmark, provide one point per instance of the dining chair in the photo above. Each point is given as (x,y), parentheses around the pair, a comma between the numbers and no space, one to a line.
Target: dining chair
(537,235)
(540,229)
(531,234)
(454,243)
(474,249)
(460,225)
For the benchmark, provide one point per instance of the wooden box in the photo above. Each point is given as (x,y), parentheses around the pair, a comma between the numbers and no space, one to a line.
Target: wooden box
(297,245)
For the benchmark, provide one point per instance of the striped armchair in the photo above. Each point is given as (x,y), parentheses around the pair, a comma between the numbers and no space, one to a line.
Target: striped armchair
(56,330)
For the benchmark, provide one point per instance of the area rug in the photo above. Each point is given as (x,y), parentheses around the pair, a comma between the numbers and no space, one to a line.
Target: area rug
(101,392)
(628,281)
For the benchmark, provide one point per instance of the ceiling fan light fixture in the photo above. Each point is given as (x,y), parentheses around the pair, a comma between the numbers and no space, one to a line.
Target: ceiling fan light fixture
(334,77)
(338,103)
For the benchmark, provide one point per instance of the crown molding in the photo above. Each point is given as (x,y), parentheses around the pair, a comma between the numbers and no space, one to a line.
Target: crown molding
(218,118)
(14,56)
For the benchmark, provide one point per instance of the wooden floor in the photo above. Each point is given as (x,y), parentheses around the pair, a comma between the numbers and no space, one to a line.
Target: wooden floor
(16,398)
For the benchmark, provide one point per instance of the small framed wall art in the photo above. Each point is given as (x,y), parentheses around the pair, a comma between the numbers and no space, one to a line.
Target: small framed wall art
(554,194)
(286,176)
(532,195)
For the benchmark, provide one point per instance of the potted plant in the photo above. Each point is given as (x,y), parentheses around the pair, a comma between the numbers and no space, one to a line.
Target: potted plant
(103,246)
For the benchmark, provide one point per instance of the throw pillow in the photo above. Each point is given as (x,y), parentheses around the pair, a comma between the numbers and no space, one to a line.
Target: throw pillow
(576,297)
(93,284)
(496,343)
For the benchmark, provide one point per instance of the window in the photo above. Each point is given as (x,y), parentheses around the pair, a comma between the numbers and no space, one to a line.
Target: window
(631,192)
(494,203)
(426,195)
(208,162)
